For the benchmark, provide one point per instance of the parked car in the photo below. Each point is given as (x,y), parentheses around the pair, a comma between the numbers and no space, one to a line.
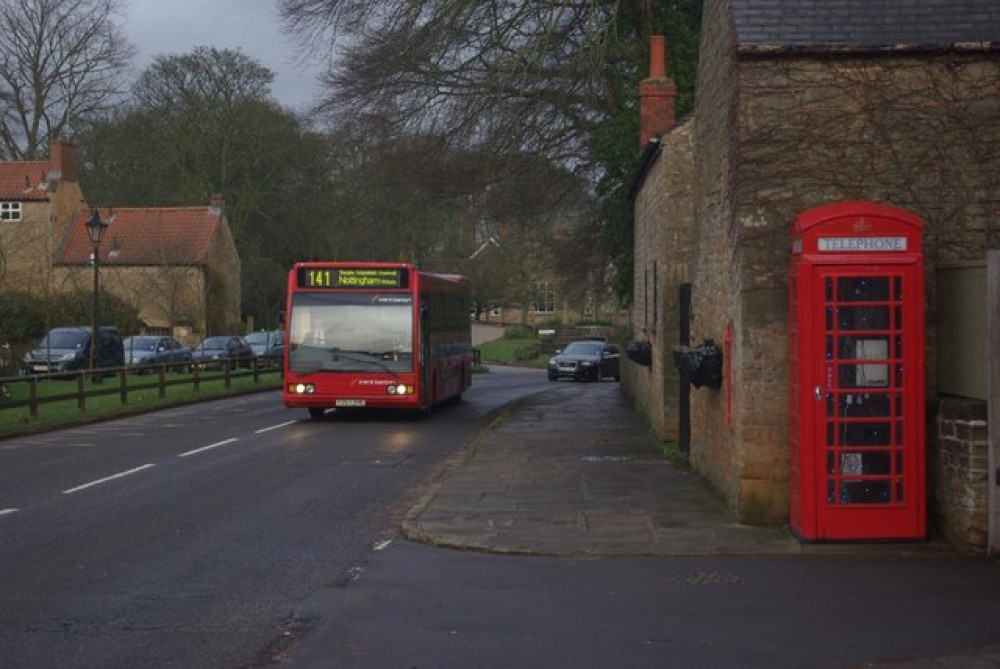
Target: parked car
(144,350)
(585,360)
(268,346)
(218,352)
(67,349)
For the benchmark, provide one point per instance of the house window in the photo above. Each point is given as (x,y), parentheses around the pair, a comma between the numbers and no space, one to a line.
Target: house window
(545,302)
(10,211)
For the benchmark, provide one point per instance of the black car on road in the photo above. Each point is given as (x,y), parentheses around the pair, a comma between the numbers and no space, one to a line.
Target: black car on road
(585,360)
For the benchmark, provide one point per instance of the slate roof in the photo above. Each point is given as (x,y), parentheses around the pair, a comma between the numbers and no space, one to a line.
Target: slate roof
(25,180)
(146,237)
(770,25)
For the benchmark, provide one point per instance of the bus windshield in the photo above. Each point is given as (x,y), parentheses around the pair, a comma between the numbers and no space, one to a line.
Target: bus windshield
(351,332)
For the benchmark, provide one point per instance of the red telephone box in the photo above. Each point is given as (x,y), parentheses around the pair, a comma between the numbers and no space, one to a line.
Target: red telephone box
(856,374)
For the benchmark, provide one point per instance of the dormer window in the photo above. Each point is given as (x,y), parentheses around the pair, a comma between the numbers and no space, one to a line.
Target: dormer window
(10,211)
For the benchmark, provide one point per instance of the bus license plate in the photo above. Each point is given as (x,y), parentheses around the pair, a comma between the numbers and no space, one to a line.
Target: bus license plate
(350,403)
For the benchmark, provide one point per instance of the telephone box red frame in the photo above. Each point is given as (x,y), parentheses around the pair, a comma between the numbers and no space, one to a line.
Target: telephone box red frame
(857,465)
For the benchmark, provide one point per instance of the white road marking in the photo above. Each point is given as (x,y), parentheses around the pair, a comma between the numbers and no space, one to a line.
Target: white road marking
(274,427)
(207,448)
(382,545)
(7,512)
(106,479)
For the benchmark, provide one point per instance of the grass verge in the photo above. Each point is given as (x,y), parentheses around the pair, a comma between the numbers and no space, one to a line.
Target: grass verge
(104,400)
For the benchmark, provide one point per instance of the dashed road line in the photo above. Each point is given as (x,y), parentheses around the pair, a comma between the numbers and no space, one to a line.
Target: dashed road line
(106,479)
(7,512)
(274,427)
(207,448)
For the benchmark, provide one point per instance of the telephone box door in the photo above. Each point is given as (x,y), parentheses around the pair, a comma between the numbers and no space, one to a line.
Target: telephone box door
(859,366)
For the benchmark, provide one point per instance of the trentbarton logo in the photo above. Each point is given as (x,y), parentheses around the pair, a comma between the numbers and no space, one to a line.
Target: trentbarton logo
(371,382)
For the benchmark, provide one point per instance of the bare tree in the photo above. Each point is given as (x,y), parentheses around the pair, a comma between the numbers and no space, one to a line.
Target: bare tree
(60,61)
(508,75)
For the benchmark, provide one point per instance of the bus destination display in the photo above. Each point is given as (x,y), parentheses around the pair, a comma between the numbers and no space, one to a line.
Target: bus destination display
(352,277)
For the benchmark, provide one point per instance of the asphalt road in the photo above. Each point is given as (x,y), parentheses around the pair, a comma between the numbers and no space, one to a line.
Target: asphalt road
(189,537)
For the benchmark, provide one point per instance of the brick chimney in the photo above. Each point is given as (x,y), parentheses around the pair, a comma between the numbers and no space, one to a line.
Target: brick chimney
(62,161)
(656,94)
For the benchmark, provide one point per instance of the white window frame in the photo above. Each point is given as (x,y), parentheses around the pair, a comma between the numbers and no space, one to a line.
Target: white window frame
(10,211)
(545,301)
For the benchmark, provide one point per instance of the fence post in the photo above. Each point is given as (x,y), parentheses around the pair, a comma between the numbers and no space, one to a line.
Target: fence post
(33,396)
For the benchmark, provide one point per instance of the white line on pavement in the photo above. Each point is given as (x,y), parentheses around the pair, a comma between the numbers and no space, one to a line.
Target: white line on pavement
(206,448)
(106,479)
(7,512)
(274,427)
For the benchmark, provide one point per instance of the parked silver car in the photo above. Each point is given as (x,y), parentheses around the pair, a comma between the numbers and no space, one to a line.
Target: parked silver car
(144,350)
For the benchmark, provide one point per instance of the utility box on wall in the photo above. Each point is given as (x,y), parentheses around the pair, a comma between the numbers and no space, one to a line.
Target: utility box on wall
(856,362)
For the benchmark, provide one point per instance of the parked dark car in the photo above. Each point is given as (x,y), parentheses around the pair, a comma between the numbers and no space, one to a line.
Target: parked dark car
(67,349)
(585,360)
(268,346)
(142,351)
(218,352)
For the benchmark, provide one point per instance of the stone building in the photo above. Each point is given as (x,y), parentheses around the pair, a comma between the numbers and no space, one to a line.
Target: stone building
(799,105)
(177,265)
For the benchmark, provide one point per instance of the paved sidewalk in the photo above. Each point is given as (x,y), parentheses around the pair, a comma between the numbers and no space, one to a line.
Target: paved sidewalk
(573,471)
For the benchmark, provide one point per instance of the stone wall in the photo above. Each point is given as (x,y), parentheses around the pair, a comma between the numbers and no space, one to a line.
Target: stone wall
(713,451)
(663,226)
(958,475)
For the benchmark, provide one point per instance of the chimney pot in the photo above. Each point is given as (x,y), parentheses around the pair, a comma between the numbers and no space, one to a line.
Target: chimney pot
(657,57)
(656,94)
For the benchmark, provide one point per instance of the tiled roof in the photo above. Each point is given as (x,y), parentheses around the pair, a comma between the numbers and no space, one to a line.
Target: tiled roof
(26,180)
(148,237)
(763,25)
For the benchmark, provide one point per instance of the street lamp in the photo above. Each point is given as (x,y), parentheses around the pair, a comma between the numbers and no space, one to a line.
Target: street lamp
(95,231)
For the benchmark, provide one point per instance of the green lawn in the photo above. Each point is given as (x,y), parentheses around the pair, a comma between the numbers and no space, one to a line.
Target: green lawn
(518,352)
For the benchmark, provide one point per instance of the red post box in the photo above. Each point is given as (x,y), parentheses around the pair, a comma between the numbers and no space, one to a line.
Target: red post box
(856,374)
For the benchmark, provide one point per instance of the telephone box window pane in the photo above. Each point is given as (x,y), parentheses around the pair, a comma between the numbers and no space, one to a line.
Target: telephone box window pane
(829,348)
(898,288)
(863,318)
(831,434)
(863,289)
(898,323)
(898,350)
(865,405)
(899,463)
(899,491)
(829,319)
(864,492)
(866,434)
(828,289)
(899,376)
(866,463)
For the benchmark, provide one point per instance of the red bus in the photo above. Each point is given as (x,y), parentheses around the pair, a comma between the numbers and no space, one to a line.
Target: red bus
(370,334)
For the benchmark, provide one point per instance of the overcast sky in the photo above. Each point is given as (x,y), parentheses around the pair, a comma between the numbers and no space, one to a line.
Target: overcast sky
(159,27)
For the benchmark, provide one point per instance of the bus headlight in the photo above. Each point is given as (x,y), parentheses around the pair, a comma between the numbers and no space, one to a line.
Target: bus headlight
(302,389)
(399,389)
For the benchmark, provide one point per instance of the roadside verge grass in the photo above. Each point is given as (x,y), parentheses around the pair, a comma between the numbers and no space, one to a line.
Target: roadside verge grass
(60,413)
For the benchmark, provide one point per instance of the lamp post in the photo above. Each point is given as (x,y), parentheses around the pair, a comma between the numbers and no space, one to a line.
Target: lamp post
(95,231)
